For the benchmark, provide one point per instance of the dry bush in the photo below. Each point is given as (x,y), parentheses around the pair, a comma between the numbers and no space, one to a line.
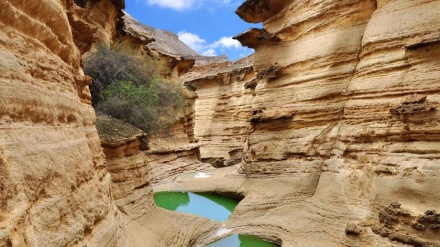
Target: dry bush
(131,89)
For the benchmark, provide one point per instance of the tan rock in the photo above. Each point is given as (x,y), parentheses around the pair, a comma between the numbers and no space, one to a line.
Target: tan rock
(335,122)
(127,165)
(222,109)
(174,151)
(346,81)
(352,229)
(91,25)
(54,188)
(4,239)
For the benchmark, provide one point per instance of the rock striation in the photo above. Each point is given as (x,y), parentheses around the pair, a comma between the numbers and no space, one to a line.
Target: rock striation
(174,55)
(344,117)
(91,25)
(54,186)
(331,128)
(350,105)
(128,167)
(222,109)
(173,153)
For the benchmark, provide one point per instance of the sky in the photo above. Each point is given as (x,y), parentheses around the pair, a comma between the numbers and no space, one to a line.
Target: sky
(207,26)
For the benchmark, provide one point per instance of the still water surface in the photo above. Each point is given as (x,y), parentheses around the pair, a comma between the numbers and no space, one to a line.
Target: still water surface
(238,240)
(211,206)
(214,207)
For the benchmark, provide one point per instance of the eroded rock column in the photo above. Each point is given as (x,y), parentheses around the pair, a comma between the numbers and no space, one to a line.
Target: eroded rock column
(54,187)
(346,103)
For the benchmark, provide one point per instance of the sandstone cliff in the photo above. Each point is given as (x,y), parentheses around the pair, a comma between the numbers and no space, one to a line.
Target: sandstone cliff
(347,103)
(175,56)
(127,165)
(344,118)
(54,187)
(334,119)
(222,109)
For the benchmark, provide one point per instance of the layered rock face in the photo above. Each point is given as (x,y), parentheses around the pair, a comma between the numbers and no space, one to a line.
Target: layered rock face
(335,122)
(222,109)
(343,124)
(175,56)
(54,188)
(346,103)
(127,165)
(305,59)
(94,22)
(176,151)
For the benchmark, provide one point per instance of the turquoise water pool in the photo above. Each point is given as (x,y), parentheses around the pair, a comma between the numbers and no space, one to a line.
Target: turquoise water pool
(211,206)
(214,207)
(238,240)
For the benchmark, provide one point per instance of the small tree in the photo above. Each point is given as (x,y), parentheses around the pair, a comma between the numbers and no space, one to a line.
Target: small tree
(131,89)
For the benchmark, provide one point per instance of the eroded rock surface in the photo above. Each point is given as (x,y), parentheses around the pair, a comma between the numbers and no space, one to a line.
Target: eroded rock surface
(399,225)
(344,119)
(54,189)
(339,81)
(127,165)
(333,122)
(175,151)
(223,104)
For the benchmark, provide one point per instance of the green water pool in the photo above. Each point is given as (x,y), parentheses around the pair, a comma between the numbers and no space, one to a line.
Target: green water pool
(238,240)
(211,206)
(207,205)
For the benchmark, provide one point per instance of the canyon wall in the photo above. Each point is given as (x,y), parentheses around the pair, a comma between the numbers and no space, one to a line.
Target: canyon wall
(343,117)
(347,99)
(172,151)
(127,164)
(222,109)
(57,188)
(54,186)
(347,91)
(334,121)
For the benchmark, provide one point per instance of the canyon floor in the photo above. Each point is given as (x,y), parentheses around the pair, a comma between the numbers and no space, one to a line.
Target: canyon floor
(279,209)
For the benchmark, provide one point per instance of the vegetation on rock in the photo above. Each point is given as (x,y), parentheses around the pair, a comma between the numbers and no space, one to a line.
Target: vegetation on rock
(131,89)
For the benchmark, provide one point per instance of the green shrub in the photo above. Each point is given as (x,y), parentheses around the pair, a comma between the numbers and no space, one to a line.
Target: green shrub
(129,88)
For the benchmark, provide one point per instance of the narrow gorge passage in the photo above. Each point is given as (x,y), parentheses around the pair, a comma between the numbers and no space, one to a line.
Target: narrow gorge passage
(327,135)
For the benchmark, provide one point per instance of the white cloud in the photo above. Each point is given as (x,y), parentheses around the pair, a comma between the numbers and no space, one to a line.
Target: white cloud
(202,47)
(226,42)
(209,53)
(178,5)
(192,40)
(181,5)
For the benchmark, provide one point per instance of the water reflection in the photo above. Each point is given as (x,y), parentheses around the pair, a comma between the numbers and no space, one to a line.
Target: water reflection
(237,240)
(171,200)
(214,207)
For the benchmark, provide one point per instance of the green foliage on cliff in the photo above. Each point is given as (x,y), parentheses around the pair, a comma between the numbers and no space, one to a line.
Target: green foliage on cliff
(131,89)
